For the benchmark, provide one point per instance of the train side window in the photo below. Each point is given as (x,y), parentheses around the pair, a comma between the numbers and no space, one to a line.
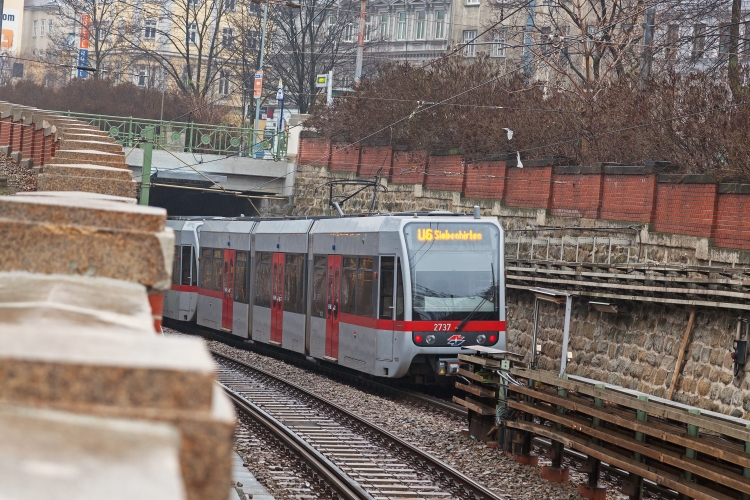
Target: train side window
(385,304)
(365,283)
(194,275)
(217,284)
(294,282)
(399,292)
(263,263)
(207,268)
(176,266)
(349,285)
(240,277)
(320,269)
(187,251)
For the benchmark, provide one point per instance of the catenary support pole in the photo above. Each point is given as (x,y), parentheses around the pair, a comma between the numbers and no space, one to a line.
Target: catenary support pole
(360,40)
(257,138)
(148,146)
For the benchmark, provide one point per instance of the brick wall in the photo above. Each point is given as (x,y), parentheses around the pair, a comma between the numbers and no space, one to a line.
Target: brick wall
(343,158)
(373,158)
(528,187)
(629,197)
(687,207)
(314,150)
(732,229)
(408,168)
(485,180)
(576,193)
(445,173)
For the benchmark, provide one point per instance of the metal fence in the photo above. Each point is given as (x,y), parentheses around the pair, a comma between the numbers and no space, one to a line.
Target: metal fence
(192,137)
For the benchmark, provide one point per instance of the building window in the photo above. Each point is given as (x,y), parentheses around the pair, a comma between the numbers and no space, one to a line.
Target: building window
(546,41)
(384,26)
(193,3)
(419,32)
(193,32)
(470,49)
(251,40)
(368,28)
(401,33)
(49,27)
(149,30)
(349,33)
(472,2)
(41,27)
(227,38)
(224,83)
(724,38)
(746,39)
(230,5)
(699,40)
(673,34)
(439,25)
(346,81)
(33,31)
(498,44)
(141,78)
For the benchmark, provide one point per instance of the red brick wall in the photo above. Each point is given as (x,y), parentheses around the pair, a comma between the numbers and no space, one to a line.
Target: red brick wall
(629,197)
(27,145)
(528,187)
(343,158)
(313,150)
(576,195)
(408,168)
(5,128)
(445,173)
(485,180)
(38,155)
(17,136)
(685,208)
(732,225)
(372,158)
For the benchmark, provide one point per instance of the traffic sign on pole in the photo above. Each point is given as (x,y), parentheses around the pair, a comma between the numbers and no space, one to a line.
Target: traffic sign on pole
(258,88)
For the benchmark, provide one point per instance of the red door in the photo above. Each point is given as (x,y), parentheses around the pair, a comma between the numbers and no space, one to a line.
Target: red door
(333,301)
(227,306)
(277,297)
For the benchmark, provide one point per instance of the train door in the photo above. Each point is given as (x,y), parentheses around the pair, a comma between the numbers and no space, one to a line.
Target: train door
(227,306)
(277,297)
(386,311)
(186,261)
(333,301)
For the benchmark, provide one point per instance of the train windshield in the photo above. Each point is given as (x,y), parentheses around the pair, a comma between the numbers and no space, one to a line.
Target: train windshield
(454,269)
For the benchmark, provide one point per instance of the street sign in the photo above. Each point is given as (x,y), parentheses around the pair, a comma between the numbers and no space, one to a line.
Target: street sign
(322,81)
(258,88)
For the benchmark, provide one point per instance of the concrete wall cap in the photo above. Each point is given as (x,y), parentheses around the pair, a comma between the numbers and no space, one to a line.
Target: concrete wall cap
(686,179)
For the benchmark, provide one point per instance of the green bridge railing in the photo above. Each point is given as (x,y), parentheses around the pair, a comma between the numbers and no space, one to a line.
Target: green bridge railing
(192,137)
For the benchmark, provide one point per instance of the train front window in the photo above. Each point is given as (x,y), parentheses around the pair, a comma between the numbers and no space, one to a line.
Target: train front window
(453,268)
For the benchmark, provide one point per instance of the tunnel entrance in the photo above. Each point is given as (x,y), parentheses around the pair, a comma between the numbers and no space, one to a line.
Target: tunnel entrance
(192,202)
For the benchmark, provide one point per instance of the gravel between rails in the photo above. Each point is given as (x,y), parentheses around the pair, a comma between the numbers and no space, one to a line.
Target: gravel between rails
(437,433)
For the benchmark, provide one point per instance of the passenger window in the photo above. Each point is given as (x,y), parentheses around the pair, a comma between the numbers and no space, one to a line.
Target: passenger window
(176,266)
(385,305)
(240,277)
(263,279)
(217,284)
(187,251)
(320,267)
(348,285)
(207,268)
(294,283)
(399,292)
(365,287)
(194,280)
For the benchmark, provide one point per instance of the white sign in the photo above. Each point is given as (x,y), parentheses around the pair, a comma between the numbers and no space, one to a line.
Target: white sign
(11,36)
(322,81)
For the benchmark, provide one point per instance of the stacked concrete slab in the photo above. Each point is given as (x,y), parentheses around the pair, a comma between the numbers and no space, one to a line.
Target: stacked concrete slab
(80,157)
(93,401)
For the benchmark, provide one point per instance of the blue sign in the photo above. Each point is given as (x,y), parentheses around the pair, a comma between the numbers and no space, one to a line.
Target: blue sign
(83,60)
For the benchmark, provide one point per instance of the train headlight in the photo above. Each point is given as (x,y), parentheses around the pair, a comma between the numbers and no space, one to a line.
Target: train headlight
(481,339)
(493,338)
(430,339)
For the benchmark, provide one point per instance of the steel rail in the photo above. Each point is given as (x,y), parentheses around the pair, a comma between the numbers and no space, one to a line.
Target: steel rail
(334,477)
(476,490)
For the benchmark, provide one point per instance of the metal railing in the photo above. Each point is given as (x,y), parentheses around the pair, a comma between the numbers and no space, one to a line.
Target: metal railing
(191,137)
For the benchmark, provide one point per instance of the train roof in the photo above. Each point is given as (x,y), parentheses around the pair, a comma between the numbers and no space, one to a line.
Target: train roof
(434,213)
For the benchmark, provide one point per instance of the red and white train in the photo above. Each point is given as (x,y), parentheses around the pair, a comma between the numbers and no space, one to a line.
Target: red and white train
(388,295)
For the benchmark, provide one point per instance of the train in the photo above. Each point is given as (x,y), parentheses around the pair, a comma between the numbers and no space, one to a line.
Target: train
(389,295)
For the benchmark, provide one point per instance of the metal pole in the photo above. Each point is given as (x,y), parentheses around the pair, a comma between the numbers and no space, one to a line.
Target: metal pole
(647,55)
(566,334)
(360,41)
(533,334)
(330,87)
(163,89)
(147,146)
(260,68)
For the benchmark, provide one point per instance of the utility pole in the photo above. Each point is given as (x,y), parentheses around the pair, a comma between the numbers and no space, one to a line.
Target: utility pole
(360,40)
(260,70)
(647,56)
(148,146)
(330,87)
(735,82)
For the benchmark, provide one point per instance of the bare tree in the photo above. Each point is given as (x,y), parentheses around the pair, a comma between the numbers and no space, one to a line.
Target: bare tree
(307,41)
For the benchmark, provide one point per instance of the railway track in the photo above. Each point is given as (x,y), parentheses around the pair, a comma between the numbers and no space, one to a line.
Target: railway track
(340,447)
